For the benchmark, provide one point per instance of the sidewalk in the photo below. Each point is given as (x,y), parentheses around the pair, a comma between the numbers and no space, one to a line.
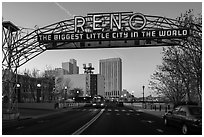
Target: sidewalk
(154,112)
(37,110)
(33,114)
(26,113)
(157,113)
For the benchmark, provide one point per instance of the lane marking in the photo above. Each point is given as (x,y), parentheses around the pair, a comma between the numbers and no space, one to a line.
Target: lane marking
(116,110)
(123,110)
(147,121)
(84,127)
(150,121)
(20,127)
(131,110)
(109,109)
(117,114)
(41,121)
(160,130)
(139,110)
(127,114)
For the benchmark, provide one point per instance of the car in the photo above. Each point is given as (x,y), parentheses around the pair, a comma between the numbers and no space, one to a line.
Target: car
(119,104)
(98,104)
(187,117)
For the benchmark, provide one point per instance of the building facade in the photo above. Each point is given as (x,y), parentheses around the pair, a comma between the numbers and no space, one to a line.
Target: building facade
(111,69)
(71,67)
(90,84)
(32,90)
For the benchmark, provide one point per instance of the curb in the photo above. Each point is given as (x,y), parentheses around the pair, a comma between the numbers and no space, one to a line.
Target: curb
(49,114)
(155,113)
(148,111)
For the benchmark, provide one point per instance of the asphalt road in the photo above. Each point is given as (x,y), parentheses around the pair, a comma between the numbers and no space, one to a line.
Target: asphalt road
(111,120)
(126,121)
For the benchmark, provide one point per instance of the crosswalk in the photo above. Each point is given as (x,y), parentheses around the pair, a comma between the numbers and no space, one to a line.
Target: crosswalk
(108,110)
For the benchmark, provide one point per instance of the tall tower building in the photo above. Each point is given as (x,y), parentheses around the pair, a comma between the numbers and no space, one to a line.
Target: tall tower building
(71,67)
(75,67)
(111,69)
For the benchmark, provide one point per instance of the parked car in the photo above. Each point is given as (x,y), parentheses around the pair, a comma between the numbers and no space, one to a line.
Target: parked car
(186,117)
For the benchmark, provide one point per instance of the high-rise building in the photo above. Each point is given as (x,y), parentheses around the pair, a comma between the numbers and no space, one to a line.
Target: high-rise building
(111,69)
(71,66)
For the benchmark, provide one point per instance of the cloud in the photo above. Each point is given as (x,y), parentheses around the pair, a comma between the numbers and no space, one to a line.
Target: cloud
(65,10)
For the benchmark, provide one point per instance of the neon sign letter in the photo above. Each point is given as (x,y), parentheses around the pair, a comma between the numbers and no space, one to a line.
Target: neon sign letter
(96,21)
(135,20)
(113,19)
(77,21)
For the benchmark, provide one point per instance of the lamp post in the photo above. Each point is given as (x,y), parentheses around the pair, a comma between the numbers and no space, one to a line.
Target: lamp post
(125,97)
(77,93)
(38,92)
(133,93)
(18,92)
(143,93)
(53,94)
(65,94)
(144,105)
(133,96)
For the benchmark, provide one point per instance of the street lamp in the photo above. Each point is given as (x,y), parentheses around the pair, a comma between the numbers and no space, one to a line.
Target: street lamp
(38,92)
(132,96)
(65,94)
(18,85)
(77,93)
(133,93)
(143,97)
(18,92)
(143,92)
(38,85)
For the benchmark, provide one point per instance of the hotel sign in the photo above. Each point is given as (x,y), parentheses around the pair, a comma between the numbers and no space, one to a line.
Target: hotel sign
(111,28)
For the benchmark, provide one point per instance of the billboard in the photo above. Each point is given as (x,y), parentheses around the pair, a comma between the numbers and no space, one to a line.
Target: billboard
(114,35)
(112,27)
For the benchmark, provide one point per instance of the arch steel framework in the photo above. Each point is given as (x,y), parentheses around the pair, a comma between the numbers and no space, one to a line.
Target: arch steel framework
(20,45)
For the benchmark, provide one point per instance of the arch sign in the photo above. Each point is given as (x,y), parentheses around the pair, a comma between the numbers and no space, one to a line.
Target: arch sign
(113,27)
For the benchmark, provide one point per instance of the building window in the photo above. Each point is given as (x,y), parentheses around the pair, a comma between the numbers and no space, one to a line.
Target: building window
(137,42)
(148,41)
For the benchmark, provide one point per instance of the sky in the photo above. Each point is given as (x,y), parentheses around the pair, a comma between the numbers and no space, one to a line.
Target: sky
(138,63)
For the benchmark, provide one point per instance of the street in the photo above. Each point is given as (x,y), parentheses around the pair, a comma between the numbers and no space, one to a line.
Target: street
(125,121)
(101,68)
(112,121)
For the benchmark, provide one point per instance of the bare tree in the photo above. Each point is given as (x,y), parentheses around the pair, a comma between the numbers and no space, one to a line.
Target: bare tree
(49,72)
(62,84)
(34,72)
(180,75)
(27,72)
